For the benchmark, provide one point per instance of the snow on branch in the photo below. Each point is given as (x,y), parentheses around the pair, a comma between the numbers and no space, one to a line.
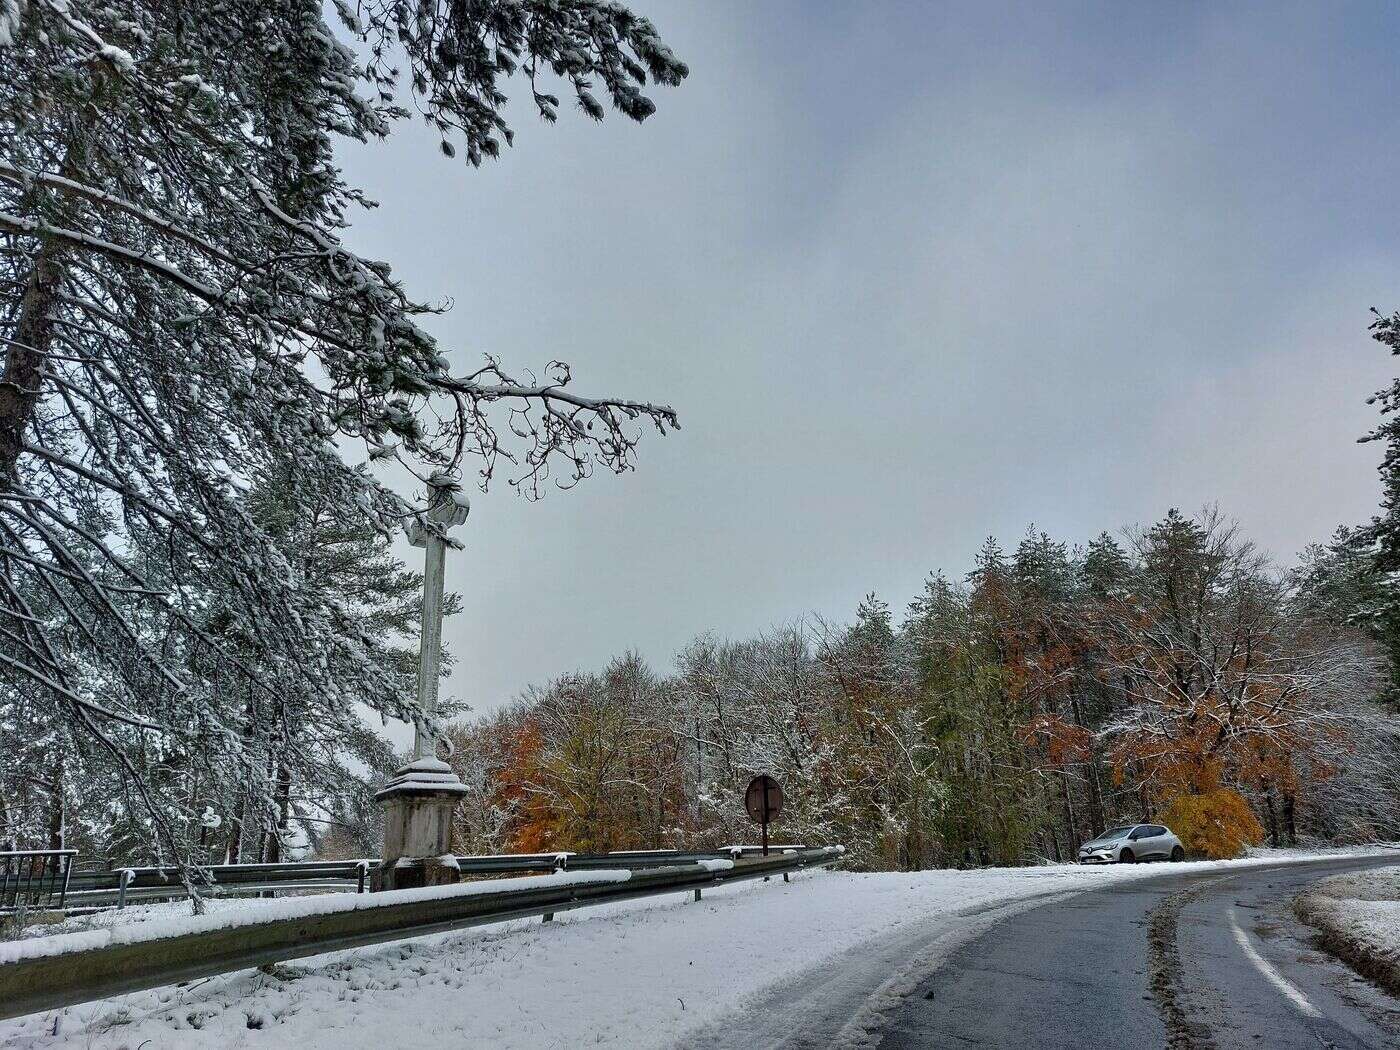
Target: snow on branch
(190,356)
(458,57)
(555,420)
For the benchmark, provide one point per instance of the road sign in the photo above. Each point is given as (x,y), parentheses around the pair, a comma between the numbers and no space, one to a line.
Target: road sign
(764,801)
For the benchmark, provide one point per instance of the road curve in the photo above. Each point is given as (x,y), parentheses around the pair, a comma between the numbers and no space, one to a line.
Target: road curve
(1192,961)
(1189,958)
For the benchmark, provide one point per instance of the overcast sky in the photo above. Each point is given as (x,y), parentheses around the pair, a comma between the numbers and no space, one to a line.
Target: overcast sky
(914,274)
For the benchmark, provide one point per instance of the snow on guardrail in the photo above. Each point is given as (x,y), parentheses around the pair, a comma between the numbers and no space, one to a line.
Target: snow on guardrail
(290,908)
(72,968)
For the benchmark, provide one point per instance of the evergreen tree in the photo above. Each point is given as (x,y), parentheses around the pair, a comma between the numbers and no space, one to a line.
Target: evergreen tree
(1106,567)
(179,318)
(1359,574)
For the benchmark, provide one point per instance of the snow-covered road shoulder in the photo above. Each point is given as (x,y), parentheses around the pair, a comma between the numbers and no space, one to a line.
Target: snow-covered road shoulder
(635,974)
(1358,920)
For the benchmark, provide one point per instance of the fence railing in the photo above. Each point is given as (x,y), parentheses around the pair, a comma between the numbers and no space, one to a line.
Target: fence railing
(122,886)
(49,978)
(35,879)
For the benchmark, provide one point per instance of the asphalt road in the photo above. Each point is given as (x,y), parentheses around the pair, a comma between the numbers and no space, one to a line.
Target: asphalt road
(1190,961)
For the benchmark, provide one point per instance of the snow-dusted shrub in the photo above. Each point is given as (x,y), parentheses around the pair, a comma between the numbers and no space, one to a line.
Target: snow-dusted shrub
(1216,825)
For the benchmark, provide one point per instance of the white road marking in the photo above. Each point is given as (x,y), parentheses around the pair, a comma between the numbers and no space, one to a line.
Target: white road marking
(1266,968)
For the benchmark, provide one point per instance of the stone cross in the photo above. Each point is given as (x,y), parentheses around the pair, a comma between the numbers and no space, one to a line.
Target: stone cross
(421,797)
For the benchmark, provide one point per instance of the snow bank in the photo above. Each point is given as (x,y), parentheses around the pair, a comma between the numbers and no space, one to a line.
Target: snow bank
(633,974)
(1358,918)
(154,929)
(1376,923)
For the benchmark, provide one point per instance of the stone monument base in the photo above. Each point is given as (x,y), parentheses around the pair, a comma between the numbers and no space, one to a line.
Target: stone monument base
(418,806)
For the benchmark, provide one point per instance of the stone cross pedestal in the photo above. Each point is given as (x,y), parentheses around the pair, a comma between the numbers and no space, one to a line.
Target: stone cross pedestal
(418,805)
(421,797)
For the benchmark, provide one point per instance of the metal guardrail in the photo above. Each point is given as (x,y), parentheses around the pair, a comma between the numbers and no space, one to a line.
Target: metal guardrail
(117,888)
(168,878)
(49,981)
(35,878)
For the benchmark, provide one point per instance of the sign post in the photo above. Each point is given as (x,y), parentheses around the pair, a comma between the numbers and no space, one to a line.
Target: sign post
(764,801)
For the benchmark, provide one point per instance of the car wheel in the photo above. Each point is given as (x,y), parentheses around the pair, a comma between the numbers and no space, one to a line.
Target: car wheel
(1126,857)
(1178,853)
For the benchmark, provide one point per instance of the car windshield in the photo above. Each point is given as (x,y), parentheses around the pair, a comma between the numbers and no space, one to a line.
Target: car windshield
(1115,833)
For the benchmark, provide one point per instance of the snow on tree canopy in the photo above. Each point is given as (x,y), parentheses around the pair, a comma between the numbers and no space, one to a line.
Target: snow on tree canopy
(190,353)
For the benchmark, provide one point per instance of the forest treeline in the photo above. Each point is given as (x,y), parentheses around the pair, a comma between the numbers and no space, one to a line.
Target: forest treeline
(203,626)
(1000,718)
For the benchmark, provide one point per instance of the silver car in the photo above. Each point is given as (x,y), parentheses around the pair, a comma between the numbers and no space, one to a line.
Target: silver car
(1130,843)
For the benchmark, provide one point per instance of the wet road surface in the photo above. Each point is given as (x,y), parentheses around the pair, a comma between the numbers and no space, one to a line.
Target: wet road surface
(1200,960)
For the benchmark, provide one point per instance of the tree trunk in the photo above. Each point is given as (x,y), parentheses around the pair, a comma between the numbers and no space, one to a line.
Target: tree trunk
(240,812)
(267,815)
(235,833)
(917,852)
(20,383)
(1073,823)
(699,775)
(57,827)
(1098,815)
(284,815)
(7,830)
(1272,817)
(1096,811)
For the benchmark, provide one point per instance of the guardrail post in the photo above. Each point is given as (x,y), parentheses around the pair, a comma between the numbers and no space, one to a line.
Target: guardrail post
(30,983)
(561,863)
(697,893)
(124,878)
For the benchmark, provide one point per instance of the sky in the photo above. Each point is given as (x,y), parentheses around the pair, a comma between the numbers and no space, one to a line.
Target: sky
(913,275)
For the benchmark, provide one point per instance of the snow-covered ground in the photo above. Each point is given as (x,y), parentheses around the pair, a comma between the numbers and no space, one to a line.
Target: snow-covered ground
(648,973)
(1376,922)
(1361,916)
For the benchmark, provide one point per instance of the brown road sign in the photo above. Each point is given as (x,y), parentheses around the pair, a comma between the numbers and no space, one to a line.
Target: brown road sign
(763,799)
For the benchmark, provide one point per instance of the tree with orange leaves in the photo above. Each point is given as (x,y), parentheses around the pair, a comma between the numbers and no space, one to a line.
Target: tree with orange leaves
(1177,676)
(1221,685)
(498,759)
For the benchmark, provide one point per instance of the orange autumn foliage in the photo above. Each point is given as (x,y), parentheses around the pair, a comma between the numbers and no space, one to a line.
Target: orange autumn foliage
(1216,825)
(1061,743)
(535,827)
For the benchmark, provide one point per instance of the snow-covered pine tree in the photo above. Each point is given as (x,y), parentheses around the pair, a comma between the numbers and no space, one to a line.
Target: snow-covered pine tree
(305,758)
(1375,548)
(179,317)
